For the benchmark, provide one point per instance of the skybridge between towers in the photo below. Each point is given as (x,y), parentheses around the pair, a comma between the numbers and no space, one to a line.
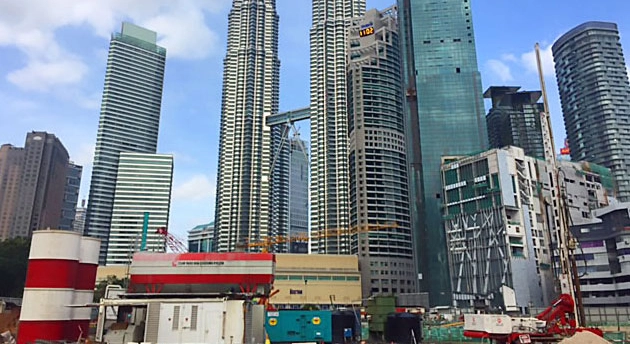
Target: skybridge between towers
(289,117)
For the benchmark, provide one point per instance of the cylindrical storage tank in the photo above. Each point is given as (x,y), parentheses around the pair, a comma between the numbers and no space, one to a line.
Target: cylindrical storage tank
(403,327)
(49,287)
(345,326)
(84,288)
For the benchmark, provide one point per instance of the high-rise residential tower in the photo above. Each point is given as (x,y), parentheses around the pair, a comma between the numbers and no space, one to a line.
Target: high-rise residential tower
(377,156)
(11,164)
(514,119)
(445,116)
(42,184)
(129,121)
(595,97)
(143,188)
(330,203)
(71,196)
(251,76)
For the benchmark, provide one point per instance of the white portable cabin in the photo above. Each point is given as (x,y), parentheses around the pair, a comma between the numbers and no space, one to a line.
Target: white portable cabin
(202,320)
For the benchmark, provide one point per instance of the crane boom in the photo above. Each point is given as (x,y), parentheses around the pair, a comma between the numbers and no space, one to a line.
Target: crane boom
(569,282)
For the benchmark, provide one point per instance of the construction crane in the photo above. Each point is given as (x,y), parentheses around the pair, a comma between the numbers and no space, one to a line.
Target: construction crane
(268,243)
(326,233)
(566,244)
(171,241)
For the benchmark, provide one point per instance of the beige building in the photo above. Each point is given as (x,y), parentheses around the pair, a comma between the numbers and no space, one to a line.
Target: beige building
(120,271)
(316,279)
(301,279)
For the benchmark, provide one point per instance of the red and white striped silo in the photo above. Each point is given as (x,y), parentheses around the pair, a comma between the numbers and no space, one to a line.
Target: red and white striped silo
(49,288)
(84,288)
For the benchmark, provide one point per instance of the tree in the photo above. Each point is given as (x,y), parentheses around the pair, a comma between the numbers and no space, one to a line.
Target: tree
(13,266)
(99,291)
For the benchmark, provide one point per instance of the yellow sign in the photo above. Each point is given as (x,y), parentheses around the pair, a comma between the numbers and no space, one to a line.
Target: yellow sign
(273,322)
(317,321)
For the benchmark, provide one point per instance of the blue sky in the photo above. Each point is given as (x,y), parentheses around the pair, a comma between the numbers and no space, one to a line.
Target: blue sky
(53,55)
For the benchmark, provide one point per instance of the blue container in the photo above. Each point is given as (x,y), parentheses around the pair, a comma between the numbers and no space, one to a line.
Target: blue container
(298,326)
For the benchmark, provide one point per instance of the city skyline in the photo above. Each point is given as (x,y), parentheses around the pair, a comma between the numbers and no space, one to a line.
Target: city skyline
(53,76)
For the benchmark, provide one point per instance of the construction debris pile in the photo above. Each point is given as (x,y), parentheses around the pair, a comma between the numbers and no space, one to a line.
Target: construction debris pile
(584,337)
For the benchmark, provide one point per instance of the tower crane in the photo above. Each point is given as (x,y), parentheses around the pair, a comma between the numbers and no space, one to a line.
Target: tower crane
(268,243)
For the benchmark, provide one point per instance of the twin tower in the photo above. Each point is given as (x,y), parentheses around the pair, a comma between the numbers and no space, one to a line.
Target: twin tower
(392,91)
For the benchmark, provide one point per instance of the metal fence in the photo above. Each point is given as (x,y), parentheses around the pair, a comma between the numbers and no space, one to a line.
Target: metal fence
(614,321)
(604,316)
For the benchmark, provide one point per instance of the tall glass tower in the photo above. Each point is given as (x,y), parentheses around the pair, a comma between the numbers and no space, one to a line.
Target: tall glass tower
(329,121)
(130,118)
(445,117)
(595,97)
(251,75)
(514,119)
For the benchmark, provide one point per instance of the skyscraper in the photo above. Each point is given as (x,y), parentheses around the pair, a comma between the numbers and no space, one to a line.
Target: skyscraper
(329,123)
(11,164)
(279,186)
(595,97)
(251,76)
(143,186)
(79,219)
(377,159)
(129,121)
(42,184)
(514,119)
(298,194)
(71,196)
(445,116)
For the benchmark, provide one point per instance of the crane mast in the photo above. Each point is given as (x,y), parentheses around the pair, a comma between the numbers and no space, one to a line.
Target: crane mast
(569,280)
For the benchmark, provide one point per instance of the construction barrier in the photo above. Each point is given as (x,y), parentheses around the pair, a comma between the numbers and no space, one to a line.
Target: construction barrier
(446,334)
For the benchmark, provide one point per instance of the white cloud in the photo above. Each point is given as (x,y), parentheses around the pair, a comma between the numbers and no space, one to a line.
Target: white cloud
(43,76)
(30,26)
(183,33)
(196,188)
(509,57)
(500,69)
(528,60)
(84,156)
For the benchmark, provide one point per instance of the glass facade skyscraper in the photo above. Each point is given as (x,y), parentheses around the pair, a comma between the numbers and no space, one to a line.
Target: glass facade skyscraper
(298,194)
(251,77)
(445,117)
(143,185)
(129,121)
(514,119)
(595,97)
(377,156)
(329,122)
